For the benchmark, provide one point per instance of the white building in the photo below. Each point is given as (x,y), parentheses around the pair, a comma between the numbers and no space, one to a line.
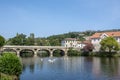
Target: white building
(69,42)
(73,42)
(97,37)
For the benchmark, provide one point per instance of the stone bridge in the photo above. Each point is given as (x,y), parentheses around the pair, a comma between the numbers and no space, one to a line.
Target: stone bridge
(35,49)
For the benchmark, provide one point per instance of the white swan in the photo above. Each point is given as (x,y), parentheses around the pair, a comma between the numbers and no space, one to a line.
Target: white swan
(51,60)
(41,59)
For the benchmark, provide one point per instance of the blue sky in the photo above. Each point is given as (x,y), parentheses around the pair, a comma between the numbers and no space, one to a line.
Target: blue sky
(51,17)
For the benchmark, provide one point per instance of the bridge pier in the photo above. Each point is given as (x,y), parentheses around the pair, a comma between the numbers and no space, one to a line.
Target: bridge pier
(18,53)
(51,53)
(65,51)
(35,53)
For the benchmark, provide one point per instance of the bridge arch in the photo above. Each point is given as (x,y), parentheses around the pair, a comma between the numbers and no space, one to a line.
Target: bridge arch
(9,51)
(26,53)
(58,52)
(43,53)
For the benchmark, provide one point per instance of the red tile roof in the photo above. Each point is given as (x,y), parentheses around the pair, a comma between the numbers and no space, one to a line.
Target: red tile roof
(113,34)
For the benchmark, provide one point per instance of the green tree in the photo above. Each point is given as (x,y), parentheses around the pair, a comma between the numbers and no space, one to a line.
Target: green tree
(38,41)
(10,64)
(19,39)
(109,44)
(72,52)
(2,41)
(30,39)
(54,42)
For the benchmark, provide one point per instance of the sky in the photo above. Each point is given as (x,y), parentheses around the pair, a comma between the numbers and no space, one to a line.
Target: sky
(52,17)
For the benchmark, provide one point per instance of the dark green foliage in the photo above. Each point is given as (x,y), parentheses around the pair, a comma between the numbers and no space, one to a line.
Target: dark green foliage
(109,44)
(30,39)
(2,41)
(10,64)
(72,52)
(106,54)
(19,39)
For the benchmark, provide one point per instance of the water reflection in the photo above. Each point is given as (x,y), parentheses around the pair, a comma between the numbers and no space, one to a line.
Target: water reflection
(71,68)
(110,67)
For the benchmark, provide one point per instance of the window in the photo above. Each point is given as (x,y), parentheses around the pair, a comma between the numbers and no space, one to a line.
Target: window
(94,40)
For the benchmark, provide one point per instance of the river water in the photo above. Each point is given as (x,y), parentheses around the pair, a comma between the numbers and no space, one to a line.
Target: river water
(70,68)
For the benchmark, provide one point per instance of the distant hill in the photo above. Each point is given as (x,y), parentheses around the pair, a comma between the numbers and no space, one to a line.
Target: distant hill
(78,34)
(54,40)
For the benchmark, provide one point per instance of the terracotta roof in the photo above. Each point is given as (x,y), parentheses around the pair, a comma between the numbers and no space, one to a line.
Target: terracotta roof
(113,34)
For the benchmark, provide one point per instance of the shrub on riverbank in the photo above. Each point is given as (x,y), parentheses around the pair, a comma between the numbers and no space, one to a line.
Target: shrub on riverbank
(72,52)
(10,64)
(101,54)
(87,50)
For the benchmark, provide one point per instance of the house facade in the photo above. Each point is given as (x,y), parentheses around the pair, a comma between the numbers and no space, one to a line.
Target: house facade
(73,42)
(97,37)
(69,42)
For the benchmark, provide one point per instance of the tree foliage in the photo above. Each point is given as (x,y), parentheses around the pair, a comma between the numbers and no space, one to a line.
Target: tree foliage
(30,39)
(88,47)
(2,41)
(72,52)
(109,44)
(19,39)
(10,64)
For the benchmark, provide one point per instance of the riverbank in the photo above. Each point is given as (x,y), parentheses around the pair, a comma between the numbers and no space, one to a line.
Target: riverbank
(102,54)
(7,77)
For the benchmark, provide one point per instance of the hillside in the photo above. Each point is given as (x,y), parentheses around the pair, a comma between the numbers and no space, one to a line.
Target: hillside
(54,40)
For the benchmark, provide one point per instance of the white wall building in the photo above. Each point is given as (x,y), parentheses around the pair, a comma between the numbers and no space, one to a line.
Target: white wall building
(69,42)
(97,37)
(72,42)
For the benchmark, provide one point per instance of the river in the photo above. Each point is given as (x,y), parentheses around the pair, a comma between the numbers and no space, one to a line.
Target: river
(70,68)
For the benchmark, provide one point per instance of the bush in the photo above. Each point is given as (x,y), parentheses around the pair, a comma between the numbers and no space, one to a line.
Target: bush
(107,54)
(72,52)
(10,64)
(87,50)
